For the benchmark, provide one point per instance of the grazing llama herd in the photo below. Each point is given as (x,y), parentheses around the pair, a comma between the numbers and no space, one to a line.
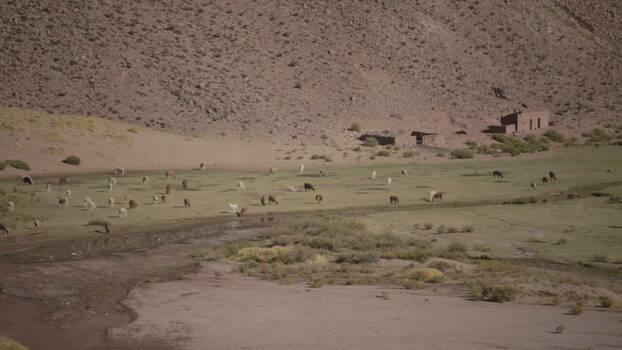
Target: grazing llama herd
(129,203)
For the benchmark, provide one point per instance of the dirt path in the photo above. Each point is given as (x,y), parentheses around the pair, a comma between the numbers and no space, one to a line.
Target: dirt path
(217,309)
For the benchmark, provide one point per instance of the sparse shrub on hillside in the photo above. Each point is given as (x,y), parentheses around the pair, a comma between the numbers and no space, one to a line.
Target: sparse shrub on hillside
(497,294)
(554,136)
(355,127)
(605,301)
(410,154)
(428,225)
(17,164)
(371,142)
(383,153)
(458,247)
(462,154)
(324,157)
(472,144)
(72,160)
(576,309)
(132,130)
(597,136)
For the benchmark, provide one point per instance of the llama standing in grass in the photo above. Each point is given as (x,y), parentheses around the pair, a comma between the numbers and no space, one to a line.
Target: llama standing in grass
(119,171)
(272,171)
(48,188)
(301,170)
(545,180)
(169,189)
(112,180)
(62,202)
(3,229)
(89,204)
(185,184)
(156,199)
(323,173)
(552,176)
(373,175)
(110,202)
(431,196)
(389,181)
(37,224)
(145,180)
(68,192)
(241,186)
(292,188)
(497,174)
(309,187)
(235,208)
(122,212)
(272,200)
(263,200)
(133,204)
(202,167)
(110,187)
(10,206)
(27,180)
(187,203)
(404,172)
(394,200)
(533,186)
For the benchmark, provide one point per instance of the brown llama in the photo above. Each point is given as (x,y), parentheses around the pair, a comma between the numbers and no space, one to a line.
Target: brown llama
(187,203)
(271,200)
(497,173)
(545,179)
(319,198)
(3,229)
(27,180)
(309,187)
(323,173)
(133,204)
(263,200)
(394,200)
(552,176)
(185,184)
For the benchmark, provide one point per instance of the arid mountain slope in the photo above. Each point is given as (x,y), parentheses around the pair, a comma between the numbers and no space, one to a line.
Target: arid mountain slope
(280,68)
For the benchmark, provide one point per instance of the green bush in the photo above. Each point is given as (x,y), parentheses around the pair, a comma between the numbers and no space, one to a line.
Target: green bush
(576,309)
(17,164)
(324,157)
(370,142)
(472,144)
(72,160)
(497,294)
(462,154)
(515,146)
(383,153)
(606,301)
(410,154)
(457,247)
(554,136)
(355,127)
(597,136)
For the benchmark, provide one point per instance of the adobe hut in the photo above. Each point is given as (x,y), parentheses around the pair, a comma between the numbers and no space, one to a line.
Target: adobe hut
(428,138)
(518,122)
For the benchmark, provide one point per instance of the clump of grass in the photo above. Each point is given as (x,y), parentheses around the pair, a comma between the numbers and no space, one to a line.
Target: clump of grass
(597,136)
(472,144)
(426,275)
(72,160)
(132,130)
(10,344)
(370,142)
(497,294)
(561,241)
(100,222)
(356,127)
(324,157)
(456,247)
(560,329)
(410,154)
(462,154)
(605,301)
(285,255)
(600,258)
(383,153)
(515,146)
(17,164)
(554,136)
(441,229)
(2,165)
(468,228)
(576,309)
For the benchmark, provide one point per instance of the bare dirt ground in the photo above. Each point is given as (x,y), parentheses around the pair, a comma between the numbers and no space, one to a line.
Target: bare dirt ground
(220,310)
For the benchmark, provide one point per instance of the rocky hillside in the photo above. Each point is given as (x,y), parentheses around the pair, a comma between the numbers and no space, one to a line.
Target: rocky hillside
(298,67)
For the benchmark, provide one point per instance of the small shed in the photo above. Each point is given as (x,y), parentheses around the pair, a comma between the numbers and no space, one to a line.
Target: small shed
(518,121)
(383,137)
(427,138)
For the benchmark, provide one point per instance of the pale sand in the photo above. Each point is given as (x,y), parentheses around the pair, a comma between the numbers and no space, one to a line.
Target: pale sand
(224,310)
